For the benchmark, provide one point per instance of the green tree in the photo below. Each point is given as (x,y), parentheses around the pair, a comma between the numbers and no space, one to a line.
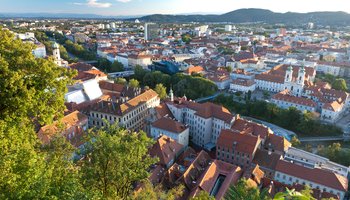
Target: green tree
(161,91)
(291,194)
(249,95)
(121,81)
(295,141)
(139,73)
(242,191)
(339,84)
(148,191)
(115,160)
(32,92)
(30,88)
(134,83)
(117,67)
(104,64)
(203,195)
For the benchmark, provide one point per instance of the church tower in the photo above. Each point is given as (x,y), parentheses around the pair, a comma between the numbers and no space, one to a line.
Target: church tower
(289,74)
(301,76)
(56,51)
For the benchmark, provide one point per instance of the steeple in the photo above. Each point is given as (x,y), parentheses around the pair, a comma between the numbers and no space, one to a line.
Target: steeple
(56,51)
(289,74)
(301,75)
(171,94)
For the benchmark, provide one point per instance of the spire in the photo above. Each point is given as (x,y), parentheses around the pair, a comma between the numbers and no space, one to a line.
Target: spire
(171,94)
(184,97)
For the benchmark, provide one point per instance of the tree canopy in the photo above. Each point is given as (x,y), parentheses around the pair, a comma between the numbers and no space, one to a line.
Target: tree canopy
(115,160)
(161,91)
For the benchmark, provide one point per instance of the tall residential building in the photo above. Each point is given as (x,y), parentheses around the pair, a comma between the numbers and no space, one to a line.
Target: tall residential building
(205,121)
(151,31)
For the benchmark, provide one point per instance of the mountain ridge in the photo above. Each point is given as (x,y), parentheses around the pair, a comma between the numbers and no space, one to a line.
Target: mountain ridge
(251,15)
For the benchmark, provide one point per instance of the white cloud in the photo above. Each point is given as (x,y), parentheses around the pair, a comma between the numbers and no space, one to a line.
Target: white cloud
(124,1)
(95,4)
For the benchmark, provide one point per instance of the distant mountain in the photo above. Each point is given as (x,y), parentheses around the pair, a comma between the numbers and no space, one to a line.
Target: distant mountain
(62,15)
(258,15)
(237,16)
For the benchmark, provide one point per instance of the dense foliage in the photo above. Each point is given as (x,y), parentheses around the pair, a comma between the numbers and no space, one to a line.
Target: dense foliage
(242,191)
(335,82)
(193,87)
(115,160)
(32,93)
(335,153)
(303,124)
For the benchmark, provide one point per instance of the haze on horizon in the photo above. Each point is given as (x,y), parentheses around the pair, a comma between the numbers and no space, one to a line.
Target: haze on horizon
(144,7)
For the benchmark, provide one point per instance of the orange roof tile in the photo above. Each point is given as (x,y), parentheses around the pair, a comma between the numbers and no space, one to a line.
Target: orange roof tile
(165,149)
(315,175)
(170,125)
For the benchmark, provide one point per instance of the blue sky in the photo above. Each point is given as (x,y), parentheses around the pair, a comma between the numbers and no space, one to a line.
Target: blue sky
(141,7)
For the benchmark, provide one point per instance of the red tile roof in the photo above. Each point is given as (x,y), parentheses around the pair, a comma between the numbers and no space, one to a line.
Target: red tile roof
(244,143)
(170,125)
(245,126)
(285,96)
(208,179)
(68,124)
(315,175)
(165,149)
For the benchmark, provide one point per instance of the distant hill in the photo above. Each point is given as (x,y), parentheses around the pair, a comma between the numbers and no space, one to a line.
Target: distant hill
(258,15)
(237,16)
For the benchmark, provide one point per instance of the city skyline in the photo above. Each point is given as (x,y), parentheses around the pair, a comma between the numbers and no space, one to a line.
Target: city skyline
(146,7)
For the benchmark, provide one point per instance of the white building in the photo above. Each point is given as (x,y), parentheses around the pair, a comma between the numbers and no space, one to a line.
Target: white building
(242,85)
(142,60)
(205,121)
(285,100)
(171,128)
(228,28)
(326,181)
(130,114)
(123,59)
(308,159)
(284,77)
(39,51)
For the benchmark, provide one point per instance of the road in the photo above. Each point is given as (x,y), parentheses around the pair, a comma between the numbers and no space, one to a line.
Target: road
(321,139)
(209,97)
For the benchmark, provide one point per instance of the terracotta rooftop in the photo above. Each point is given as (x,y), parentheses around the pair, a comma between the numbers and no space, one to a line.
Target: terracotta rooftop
(165,149)
(217,170)
(243,82)
(163,110)
(81,66)
(276,142)
(315,175)
(72,120)
(244,143)
(120,108)
(195,69)
(246,126)
(170,125)
(285,96)
(266,159)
